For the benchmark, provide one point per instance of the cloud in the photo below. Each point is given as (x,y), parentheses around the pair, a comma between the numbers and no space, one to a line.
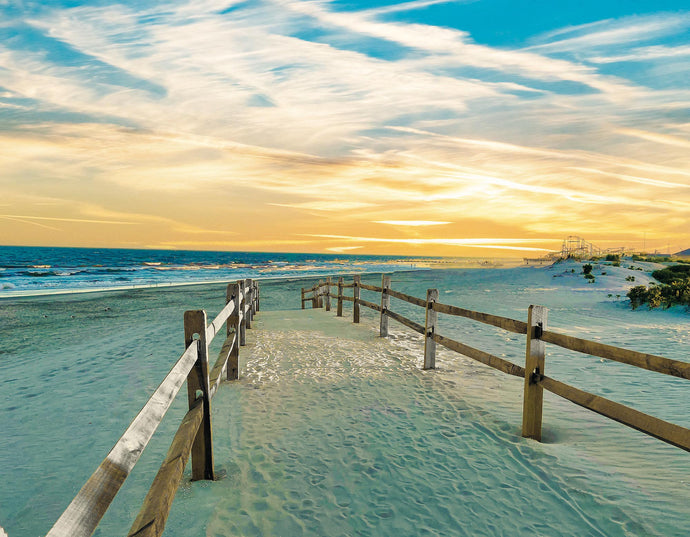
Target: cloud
(336,118)
(645,54)
(612,32)
(327,205)
(58,219)
(656,137)
(412,223)
(497,244)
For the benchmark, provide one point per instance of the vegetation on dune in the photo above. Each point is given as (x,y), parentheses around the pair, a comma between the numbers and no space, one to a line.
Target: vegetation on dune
(674,289)
(672,274)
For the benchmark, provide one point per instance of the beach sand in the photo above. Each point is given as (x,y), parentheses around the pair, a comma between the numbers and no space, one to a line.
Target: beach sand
(334,431)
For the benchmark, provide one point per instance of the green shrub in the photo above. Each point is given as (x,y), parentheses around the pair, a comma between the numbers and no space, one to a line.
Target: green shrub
(630,278)
(637,296)
(590,277)
(587,269)
(672,273)
(613,257)
(675,293)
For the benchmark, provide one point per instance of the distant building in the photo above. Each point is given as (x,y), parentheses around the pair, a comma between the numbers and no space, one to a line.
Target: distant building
(684,253)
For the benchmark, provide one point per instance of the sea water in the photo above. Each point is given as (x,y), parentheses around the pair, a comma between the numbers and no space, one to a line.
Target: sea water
(332,430)
(42,270)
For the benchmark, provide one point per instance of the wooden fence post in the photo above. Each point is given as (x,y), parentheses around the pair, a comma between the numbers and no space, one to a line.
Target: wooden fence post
(233,293)
(302,297)
(197,380)
(249,301)
(534,369)
(340,297)
(319,295)
(243,317)
(257,300)
(355,303)
(385,304)
(328,293)
(429,329)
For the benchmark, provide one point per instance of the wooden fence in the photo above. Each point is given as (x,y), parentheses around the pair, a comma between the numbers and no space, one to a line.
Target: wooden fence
(537,335)
(194,435)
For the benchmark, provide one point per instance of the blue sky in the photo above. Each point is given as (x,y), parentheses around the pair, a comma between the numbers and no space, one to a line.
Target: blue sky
(458,128)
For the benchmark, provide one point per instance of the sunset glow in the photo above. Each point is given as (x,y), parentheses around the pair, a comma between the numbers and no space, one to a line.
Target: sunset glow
(473,128)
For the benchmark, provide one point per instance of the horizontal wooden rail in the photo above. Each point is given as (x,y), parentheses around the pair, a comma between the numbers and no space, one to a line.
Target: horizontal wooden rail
(348,298)
(219,322)
(511,325)
(663,430)
(537,337)
(151,519)
(370,287)
(88,507)
(650,362)
(348,285)
(481,356)
(216,374)
(368,304)
(407,298)
(419,328)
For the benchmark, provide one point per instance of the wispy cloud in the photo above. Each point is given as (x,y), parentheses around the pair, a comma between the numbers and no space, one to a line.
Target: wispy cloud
(338,118)
(411,223)
(496,244)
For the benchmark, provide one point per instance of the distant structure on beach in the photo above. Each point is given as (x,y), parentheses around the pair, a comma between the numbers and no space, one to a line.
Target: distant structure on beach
(684,253)
(575,247)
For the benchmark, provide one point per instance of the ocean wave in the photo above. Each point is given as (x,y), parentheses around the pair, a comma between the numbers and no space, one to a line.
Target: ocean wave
(45,274)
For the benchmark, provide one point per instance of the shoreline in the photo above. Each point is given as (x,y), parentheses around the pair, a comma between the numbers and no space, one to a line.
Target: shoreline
(60,292)
(5,294)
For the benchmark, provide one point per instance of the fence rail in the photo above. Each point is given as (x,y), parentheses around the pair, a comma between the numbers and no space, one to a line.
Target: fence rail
(193,436)
(533,373)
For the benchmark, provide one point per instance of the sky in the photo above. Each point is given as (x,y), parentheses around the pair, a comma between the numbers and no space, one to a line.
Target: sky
(467,128)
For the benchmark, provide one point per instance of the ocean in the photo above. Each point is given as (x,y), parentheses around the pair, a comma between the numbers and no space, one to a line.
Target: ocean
(332,430)
(42,270)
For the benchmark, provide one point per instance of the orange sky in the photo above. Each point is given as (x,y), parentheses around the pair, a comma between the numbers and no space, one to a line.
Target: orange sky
(375,135)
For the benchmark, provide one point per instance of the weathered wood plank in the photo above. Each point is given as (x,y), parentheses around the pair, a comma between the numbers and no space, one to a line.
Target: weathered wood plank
(511,325)
(374,288)
(481,356)
(198,381)
(154,511)
(355,296)
(257,300)
(430,329)
(248,311)
(369,305)
(242,313)
(385,304)
(668,432)
(233,368)
(339,312)
(216,375)
(348,285)
(407,298)
(650,362)
(348,298)
(406,322)
(535,361)
(90,504)
(217,323)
